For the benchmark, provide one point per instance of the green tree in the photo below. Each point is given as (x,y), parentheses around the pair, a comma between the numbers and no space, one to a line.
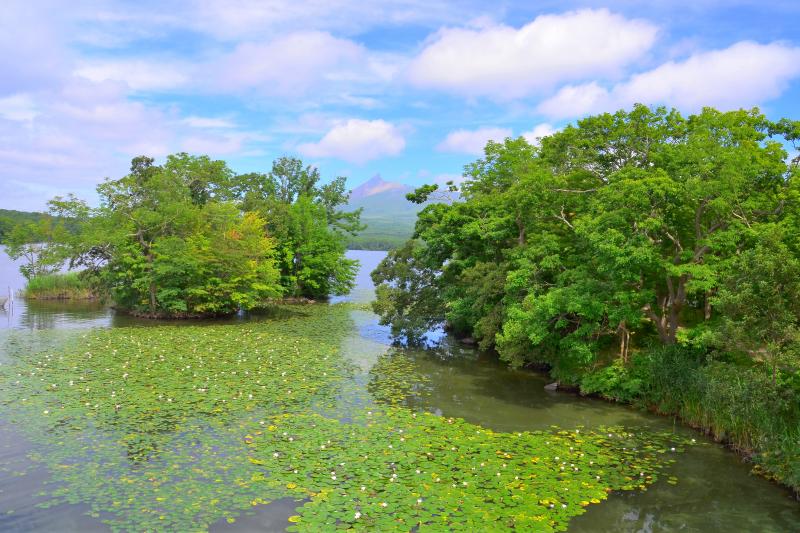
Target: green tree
(306,219)
(37,244)
(166,240)
(759,298)
(614,229)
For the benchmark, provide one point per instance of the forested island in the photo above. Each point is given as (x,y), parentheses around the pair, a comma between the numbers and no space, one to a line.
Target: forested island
(190,238)
(642,256)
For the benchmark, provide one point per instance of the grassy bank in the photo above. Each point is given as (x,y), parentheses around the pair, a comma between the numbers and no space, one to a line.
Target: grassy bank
(740,404)
(67,286)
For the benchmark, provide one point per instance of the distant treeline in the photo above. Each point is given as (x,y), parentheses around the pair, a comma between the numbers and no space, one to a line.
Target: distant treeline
(10,218)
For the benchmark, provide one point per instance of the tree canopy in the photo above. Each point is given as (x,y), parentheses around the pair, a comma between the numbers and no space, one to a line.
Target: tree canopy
(192,238)
(622,229)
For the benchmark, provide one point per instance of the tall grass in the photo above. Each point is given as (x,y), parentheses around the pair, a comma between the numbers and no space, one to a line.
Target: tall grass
(740,405)
(66,286)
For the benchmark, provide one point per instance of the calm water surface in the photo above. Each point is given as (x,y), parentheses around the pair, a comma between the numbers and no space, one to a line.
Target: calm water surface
(716,491)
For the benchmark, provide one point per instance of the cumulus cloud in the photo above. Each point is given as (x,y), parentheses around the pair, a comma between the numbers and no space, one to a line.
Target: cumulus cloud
(357,141)
(535,135)
(504,62)
(472,141)
(294,64)
(742,75)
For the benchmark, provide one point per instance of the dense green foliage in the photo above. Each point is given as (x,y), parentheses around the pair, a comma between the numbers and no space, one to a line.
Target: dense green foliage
(178,428)
(623,232)
(191,238)
(306,220)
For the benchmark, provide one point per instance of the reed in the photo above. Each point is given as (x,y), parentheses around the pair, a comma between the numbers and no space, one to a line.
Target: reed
(61,286)
(741,405)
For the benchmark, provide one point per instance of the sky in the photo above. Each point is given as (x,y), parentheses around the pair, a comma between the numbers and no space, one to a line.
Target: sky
(409,89)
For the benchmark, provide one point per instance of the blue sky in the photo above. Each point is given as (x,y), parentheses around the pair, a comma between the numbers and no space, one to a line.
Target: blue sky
(410,89)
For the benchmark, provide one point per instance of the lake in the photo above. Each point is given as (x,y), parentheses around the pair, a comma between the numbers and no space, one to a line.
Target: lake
(116,454)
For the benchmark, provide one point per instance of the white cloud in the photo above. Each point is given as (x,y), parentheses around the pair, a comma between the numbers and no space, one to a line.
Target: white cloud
(139,74)
(535,135)
(357,141)
(742,75)
(504,62)
(472,141)
(293,64)
(244,18)
(208,122)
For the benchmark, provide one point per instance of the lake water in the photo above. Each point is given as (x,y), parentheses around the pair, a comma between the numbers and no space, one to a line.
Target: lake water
(716,491)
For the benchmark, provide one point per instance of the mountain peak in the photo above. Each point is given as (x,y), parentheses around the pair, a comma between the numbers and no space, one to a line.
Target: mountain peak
(376,185)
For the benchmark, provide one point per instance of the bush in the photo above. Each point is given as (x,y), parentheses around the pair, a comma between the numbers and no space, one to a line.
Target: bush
(741,405)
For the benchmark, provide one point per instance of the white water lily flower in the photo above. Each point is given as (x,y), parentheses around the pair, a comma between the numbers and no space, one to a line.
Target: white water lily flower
(357,515)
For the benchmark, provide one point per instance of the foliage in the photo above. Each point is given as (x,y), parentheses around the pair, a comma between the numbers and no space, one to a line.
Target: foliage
(36,243)
(10,218)
(621,225)
(306,220)
(176,428)
(407,298)
(744,406)
(190,238)
(175,249)
(759,298)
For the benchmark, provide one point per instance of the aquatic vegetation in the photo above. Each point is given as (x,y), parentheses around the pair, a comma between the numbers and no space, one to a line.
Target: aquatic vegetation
(401,470)
(176,428)
(58,286)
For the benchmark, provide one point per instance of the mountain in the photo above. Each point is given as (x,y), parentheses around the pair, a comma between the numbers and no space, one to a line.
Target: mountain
(389,217)
(377,185)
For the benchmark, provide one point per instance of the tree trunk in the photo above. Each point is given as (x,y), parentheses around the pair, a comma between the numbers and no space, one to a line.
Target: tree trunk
(624,341)
(152,287)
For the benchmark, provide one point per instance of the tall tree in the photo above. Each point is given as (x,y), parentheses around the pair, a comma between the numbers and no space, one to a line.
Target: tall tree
(308,221)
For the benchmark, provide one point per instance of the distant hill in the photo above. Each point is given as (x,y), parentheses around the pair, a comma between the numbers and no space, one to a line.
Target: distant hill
(9,218)
(388,215)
